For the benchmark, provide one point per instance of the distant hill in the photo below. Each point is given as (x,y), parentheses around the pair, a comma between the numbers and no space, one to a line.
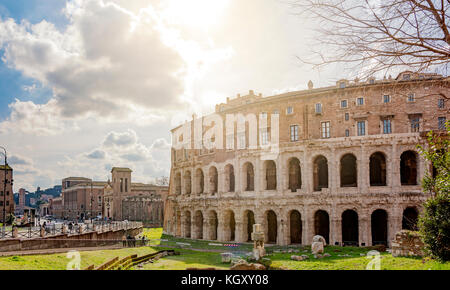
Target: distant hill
(55,191)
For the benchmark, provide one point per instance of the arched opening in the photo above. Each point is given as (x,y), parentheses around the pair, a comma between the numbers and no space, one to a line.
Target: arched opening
(349,176)
(249,221)
(350,228)
(322,224)
(213,225)
(272,227)
(410,218)
(230,226)
(188,182)
(213,179)
(199,176)
(178,183)
(408,168)
(320,173)
(271,175)
(229,178)
(249,175)
(295,177)
(187,225)
(377,169)
(295,227)
(379,224)
(198,225)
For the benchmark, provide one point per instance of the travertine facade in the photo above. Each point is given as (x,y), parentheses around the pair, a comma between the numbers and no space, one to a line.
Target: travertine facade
(347,167)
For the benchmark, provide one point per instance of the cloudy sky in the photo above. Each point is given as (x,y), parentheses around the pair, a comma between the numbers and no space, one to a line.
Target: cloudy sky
(90,84)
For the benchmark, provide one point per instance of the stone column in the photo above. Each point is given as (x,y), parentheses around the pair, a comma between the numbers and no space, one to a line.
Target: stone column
(259,176)
(363,170)
(280,174)
(206,227)
(307,172)
(394,165)
(220,227)
(395,216)
(335,226)
(221,180)
(282,234)
(333,172)
(308,228)
(182,224)
(364,228)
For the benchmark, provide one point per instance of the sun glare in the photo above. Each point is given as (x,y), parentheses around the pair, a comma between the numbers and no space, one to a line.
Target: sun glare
(195,13)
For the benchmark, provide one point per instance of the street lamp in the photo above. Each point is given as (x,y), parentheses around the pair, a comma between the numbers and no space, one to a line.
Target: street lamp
(4,192)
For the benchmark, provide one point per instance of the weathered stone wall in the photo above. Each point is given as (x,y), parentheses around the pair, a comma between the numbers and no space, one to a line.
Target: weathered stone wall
(92,239)
(407,243)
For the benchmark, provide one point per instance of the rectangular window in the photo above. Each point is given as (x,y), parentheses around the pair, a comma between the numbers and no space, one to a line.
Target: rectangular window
(360,101)
(361,128)
(294,133)
(264,136)
(342,85)
(411,98)
(347,133)
(325,130)
(121,185)
(1,203)
(289,110)
(319,108)
(387,126)
(241,140)
(441,103)
(415,125)
(344,104)
(230,141)
(441,123)
(347,116)
(386,99)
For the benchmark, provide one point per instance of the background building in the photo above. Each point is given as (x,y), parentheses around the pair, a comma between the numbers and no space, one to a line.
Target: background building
(347,165)
(6,194)
(125,200)
(116,199)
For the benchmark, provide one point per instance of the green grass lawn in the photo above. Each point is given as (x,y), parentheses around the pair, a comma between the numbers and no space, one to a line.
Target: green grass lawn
(341,258)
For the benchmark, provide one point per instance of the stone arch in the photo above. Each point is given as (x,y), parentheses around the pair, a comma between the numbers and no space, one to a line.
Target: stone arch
(348,171)
(249,221)
(213,179)
(272,227)
(187,224)
(410,219)
(377,169)
(379,225)
(320,172)
(187,182)
(229,178)
(295,227)
(408,168)
(213,225)
(249,176)
(350,228)
(322,224)
(200,181)
(295,174)
(177,181)
(198,225)
(229,226)
(270,169)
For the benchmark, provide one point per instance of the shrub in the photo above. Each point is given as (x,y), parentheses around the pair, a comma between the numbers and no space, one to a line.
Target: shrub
(434,224)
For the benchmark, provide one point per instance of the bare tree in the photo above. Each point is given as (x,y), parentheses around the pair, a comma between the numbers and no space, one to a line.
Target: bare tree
(379,35)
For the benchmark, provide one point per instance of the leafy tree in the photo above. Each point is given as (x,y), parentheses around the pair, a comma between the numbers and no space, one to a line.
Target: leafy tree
(434,224)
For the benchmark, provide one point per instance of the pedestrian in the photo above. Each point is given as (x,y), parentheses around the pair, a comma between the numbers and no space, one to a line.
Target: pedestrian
(124,241)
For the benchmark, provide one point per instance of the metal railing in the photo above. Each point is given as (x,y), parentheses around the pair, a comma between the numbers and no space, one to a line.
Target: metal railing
(68,228)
